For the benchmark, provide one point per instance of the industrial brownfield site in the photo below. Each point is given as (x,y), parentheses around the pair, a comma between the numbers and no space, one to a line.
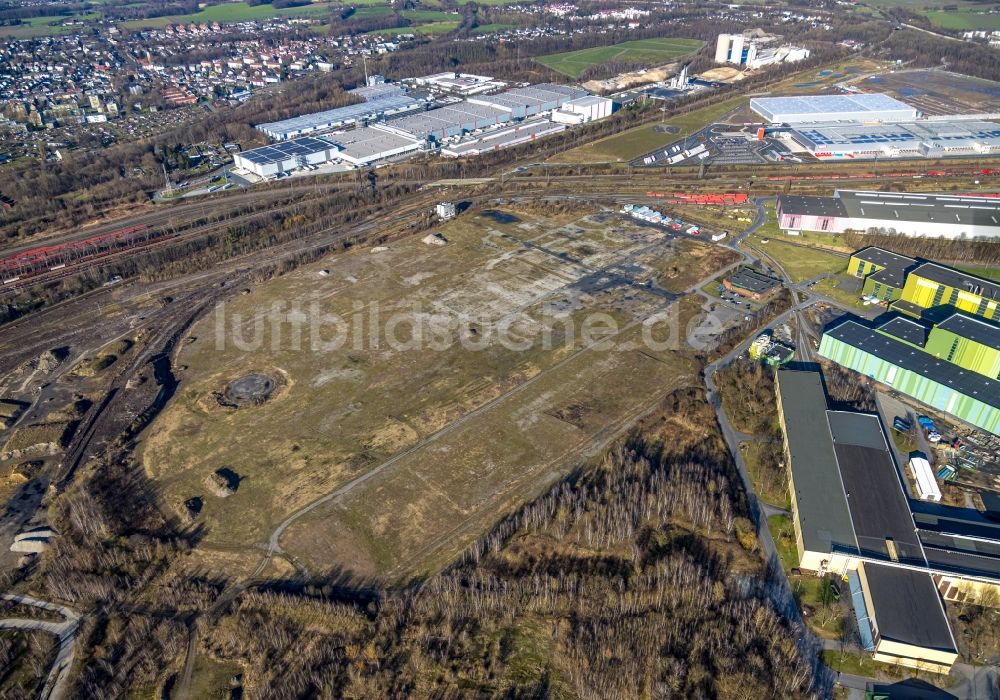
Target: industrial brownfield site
(500,351)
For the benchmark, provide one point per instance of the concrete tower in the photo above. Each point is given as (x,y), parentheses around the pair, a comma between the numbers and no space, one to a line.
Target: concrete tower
(722,49)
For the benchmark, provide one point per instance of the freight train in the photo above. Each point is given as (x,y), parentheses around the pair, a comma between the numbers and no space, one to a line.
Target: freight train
(37,261)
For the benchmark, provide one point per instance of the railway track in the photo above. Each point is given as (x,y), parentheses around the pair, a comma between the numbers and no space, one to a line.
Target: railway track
(635,184)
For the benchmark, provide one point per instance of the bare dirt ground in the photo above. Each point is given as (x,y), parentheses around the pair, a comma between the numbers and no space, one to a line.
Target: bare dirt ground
(624,81)
(471,428)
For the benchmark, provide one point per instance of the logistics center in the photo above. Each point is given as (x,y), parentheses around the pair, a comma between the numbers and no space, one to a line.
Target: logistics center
(867,126)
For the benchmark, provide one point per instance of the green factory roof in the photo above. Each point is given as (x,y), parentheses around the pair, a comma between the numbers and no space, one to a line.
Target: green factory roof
(909,358)
(824,518)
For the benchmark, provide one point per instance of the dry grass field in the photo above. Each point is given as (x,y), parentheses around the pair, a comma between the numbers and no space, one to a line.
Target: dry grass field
(453,431)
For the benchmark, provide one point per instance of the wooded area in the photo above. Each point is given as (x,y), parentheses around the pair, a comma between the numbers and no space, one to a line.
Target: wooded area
(637,575)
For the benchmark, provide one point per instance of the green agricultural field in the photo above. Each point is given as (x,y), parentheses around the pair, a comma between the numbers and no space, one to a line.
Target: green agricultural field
(233,12)
(918,5)
(46,26)
(437,27)
(429,15)
(648,51)
(987,273)
(491,28)
(449,434)
(371,11)
(642,139)
(964,20)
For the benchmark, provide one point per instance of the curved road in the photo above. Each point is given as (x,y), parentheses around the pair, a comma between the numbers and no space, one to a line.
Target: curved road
(65,631)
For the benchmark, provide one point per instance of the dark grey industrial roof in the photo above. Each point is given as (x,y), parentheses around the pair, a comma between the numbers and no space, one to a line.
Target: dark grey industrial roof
(975,329)
(953,520)
(894,266)
(879,508)
(947,555)
(810,206)
(959,280)
(753,280)
(889,276)
(907,607)
(884,347)
(819,495)
(959,540)
(921,208)
(907,329)
(883,257)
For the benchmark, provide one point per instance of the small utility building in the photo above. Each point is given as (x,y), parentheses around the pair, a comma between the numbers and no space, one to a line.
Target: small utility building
(749,283)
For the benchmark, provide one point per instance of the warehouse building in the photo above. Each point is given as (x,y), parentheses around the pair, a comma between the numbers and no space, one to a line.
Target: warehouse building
(584,109)
(370,145)
(270,161)
(358,147)
(929,215)
(381,101)
(931,288)
(861,107)
(923,289)
(463,84)
(852,519)
(883,272)
(500,138)
(521,103)
(889,357)
(908,139)
(447,122)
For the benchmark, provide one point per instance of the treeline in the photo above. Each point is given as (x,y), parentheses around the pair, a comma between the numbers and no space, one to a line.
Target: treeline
(637,576)
(848,390)
(983,252)
(920,50)
(13,15)
(25,657)
(149,9)
(631,579)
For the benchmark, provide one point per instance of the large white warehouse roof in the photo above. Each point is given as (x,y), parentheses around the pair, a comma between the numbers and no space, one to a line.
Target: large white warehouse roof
(828,108)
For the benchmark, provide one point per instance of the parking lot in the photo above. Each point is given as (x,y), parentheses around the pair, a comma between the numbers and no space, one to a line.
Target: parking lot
(724,144)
